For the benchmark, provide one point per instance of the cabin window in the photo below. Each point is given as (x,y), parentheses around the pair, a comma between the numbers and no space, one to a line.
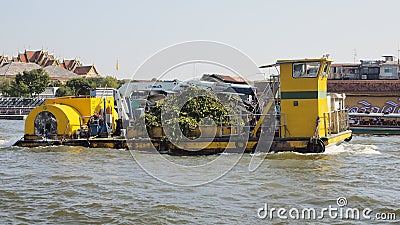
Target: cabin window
(309,69)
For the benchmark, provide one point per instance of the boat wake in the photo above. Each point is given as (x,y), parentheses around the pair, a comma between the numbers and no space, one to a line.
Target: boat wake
(367,149)
(7,143)
(344,148)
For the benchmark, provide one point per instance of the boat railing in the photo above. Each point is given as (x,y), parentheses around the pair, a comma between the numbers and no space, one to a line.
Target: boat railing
(15,111)
(281,125)
(241,123)
(374,119)
(336,121)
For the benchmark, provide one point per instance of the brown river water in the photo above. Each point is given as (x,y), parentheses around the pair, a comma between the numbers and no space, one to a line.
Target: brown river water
(76,185)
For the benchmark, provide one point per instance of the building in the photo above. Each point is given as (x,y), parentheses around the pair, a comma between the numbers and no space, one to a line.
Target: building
(40,57)
(389,69)
(34,59)
(4,60)
(11,69)
(58,73)
(87,71)
(369,69)
(55,72)
(386,69)
(70,64)
(345,71)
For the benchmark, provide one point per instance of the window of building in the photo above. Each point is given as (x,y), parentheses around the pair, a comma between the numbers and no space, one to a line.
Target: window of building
(388,70)
(370,70)
(365,70)
(373,70)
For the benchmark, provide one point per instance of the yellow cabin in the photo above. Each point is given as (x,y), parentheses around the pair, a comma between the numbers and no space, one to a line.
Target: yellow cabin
(304,95)
(307,110)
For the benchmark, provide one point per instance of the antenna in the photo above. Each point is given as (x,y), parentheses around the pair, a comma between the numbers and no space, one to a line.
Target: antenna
(398,60)
(398,54)
(354,55)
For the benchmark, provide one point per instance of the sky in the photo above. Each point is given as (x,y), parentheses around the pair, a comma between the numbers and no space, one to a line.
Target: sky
(102,32)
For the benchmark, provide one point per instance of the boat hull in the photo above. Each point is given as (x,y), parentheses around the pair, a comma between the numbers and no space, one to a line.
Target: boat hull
(217,146)
(375,130)
(90,143)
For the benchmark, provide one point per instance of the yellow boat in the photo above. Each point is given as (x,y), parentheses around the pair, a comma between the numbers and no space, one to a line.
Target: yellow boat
(307,120)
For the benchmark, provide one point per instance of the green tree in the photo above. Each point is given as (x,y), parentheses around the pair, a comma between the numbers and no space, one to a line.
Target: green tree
(121,82)
(56,83)
(109,82)
(5,86)
(30,83)
(64,91)
(79,86)
(82,86)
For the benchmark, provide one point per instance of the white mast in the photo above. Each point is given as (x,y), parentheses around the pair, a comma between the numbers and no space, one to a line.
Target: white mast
(354,55)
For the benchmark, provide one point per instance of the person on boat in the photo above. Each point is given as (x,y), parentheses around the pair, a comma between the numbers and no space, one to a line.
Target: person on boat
(47,129)
(374,121)
(90,121)
(363,122)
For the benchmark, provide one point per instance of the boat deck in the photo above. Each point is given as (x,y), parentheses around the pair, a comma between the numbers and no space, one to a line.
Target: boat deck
(116,143)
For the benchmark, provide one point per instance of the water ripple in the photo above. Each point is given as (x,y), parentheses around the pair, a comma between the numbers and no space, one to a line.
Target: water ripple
(75,185)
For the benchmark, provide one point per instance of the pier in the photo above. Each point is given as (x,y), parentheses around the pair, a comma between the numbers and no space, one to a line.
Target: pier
(17,108)
(13,117)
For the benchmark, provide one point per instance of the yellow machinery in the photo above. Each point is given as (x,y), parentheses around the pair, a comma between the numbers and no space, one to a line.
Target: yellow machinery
(68,117)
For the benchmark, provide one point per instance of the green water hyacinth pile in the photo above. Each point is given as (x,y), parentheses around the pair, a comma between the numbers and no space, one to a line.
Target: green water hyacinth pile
(192,108)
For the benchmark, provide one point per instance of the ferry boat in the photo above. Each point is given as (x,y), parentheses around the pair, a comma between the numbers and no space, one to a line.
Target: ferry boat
(302,116)
(375,123)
